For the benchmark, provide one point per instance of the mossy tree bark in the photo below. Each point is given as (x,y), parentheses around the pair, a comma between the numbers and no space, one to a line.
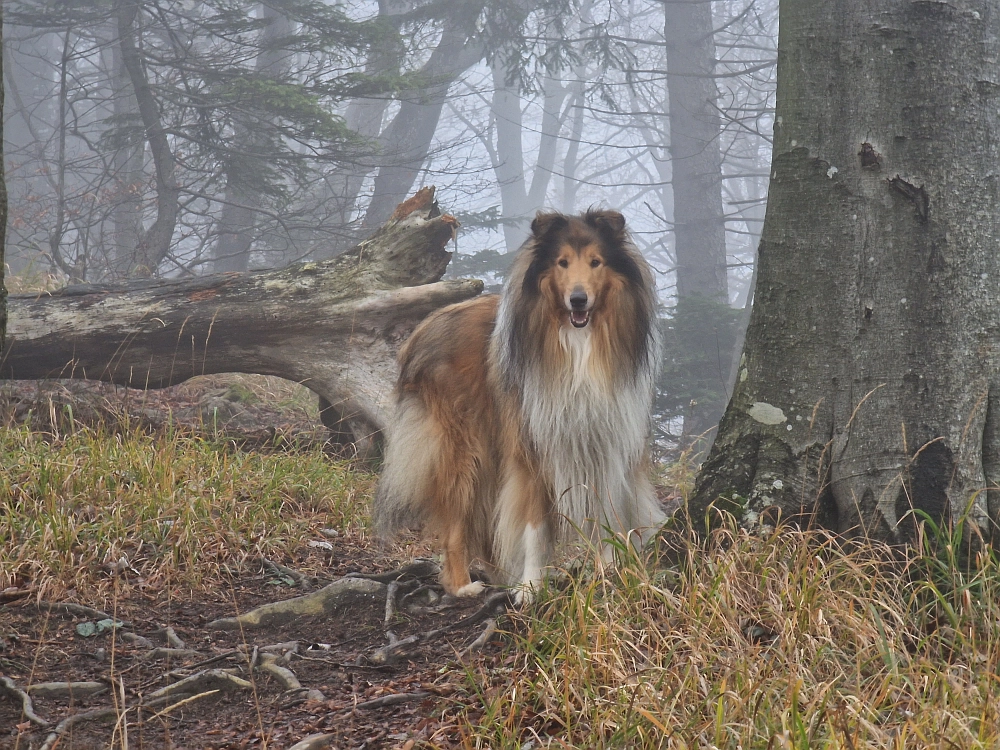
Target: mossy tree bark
(334,326)
(869,383)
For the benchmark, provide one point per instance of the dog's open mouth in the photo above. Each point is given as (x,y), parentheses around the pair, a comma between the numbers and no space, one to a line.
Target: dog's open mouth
(579,318)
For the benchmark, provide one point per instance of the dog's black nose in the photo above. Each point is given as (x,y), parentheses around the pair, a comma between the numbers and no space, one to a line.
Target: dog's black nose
(578,299)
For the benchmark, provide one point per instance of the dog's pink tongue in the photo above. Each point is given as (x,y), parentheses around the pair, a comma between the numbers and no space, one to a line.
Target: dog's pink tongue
(579,318)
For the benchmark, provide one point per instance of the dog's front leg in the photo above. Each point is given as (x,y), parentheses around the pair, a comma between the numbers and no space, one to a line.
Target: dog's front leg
(535,541)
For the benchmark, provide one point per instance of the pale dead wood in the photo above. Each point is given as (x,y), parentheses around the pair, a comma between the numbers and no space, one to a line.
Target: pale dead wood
(333,326)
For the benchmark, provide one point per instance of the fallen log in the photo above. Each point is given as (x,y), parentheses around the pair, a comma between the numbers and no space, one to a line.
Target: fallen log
(333,326)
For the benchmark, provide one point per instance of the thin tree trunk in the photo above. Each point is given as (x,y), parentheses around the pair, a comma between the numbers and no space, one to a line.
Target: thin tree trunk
(699,226)
(126,215)
(364,117)
(237,219)
(155,241)
(695,157)
(518,201)
(869,383)
(406,141)
(3,202)
(333,326)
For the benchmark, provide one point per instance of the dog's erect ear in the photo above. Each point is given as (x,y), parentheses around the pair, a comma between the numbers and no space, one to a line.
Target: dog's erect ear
(544,223)
(609,222)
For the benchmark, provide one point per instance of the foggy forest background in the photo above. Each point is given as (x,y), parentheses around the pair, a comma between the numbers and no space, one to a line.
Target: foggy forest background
(171,138)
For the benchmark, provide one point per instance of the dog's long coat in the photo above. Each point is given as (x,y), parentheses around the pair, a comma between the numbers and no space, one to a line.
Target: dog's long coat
(523,419)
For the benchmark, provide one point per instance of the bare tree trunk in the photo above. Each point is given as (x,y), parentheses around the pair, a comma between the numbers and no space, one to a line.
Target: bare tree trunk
(3,201)
(129,178)
(519,201)
(695,157)
(869,383)
(406,142)
(236,222)
(364,117)
(699,225)
(333,326)
(155,241)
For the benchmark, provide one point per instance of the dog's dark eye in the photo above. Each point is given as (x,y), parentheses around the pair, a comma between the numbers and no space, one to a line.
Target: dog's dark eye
(564,263)
(595,263)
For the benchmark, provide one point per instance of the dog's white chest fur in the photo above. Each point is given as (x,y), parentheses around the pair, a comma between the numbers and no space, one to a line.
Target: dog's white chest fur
(589,435)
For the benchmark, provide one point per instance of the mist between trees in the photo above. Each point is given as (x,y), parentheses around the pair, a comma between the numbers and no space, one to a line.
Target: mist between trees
(171,138)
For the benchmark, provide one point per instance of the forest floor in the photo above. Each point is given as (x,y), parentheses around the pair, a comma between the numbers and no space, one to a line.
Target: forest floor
(360,697)
(160,516)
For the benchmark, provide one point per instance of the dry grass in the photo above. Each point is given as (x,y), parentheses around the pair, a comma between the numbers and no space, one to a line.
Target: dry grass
(785,641)
(179,508)
(788,640)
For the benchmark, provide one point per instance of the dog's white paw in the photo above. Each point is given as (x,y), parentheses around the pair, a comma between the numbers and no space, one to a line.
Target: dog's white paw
(471,589)
(525,594)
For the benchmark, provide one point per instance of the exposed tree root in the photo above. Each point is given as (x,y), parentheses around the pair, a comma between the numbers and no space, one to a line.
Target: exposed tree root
(496,603)
(394,699)
(71,721)
(173,653)
(8,686)
(65,689)
(400,589)
(208,679)
(420,568)
(332,598)
(314,742)
(69,609)
(300,579)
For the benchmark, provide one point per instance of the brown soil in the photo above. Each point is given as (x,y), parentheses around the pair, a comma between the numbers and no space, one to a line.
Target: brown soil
(333,654)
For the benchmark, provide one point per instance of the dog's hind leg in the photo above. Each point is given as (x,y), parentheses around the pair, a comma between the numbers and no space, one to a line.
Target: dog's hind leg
(456,487)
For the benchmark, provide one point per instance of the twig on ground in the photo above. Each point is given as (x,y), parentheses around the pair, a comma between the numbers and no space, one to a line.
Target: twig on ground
(27,706)
(494,604)
(182,672)
(178,704)
(172,653)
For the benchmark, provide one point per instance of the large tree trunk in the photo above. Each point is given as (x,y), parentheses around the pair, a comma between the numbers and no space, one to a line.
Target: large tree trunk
(869,383)
(333,326)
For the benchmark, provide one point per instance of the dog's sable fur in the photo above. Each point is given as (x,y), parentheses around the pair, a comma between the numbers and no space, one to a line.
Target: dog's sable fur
(523,419)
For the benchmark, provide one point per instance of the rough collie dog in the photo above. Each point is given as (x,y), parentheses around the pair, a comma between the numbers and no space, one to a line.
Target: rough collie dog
(522,419)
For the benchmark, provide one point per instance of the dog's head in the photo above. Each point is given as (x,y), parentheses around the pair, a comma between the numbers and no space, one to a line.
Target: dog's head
(578,262)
